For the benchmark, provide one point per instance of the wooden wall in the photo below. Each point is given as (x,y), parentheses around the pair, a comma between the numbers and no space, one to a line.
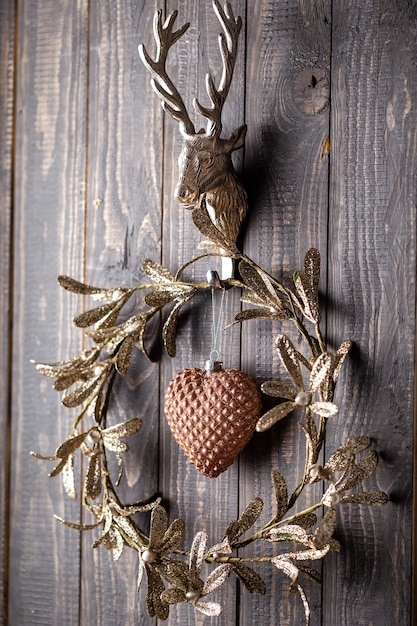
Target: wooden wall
(87,170)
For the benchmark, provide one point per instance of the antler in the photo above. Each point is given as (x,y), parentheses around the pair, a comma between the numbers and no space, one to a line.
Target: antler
(228,49)
(165,38)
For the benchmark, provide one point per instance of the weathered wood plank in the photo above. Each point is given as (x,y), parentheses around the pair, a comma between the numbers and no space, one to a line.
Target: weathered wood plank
(286,171)
(123,223)
(205,504)
(372,288)
(7,74)
(48,228)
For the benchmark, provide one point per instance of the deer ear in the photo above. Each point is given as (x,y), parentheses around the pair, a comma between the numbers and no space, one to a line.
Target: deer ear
(237,138)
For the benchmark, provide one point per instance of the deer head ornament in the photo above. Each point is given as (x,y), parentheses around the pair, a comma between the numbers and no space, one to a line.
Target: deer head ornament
(206,172)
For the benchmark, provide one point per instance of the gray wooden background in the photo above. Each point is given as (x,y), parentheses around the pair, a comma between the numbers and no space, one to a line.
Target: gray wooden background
(328,89)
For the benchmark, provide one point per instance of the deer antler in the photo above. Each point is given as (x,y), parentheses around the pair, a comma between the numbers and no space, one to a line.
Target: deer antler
(171,100)
(228,41)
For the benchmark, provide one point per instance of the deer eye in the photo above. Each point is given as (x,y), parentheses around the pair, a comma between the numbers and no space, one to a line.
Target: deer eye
(206,157)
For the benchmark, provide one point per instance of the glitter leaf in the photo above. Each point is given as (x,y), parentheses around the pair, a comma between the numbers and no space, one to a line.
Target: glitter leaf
(198,549)
(273,416)
(281,495)
(325,409)
(75,286)
(326,529)
(169,330)
(93,478)
(307,283)
(88,318)
(366,497)
(68,477)
(202,221)
(157,272)
(308,297)
(307,520)
(261,286)
(212,609)
(340,356)
(289,357)
(159,298)
(278,390)
(320,371)
(83,392)
(124,354)
(343,456)
(290,532)
(249,578)
(155,605)
(217,578)
(252,314)
(70,445)
(359,472)
(159,525)
(249,516)
(173,596)
(111,436)
(173,536)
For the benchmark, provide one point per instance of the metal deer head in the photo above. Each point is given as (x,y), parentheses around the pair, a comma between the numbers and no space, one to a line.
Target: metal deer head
(206,172)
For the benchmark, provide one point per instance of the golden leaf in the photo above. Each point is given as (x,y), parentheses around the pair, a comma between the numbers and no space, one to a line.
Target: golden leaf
(202,221)
(93,478)
(308,297)
(124,429)
(157,272)
(366,497)
(159,525)
(249,578)
(154,603)
(260,284)
(68,477)
(159,298)
(362,470)
(275,414)
(83,392)
(281,495)
(173,536)
(277,389)
(70,445)
(197,552)
(75,286)
(124,354)
(340,356)
(249,516)
(320,371)
(251,314)
(324,532)
(306,520)
(169,329)
(217,578)
(325,409)
(290,359)
(88,318)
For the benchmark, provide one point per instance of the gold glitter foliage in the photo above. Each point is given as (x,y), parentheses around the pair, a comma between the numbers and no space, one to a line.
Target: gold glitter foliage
(305,387)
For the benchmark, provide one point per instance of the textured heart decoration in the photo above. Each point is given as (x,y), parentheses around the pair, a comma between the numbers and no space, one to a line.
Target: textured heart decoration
(212,415)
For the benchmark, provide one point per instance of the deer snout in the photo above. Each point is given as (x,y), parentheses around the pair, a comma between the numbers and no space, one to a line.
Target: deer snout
(185,195)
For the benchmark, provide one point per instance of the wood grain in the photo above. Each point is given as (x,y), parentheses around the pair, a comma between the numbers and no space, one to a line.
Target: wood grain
(88,165)
(7,75)
(123,226)
(48,228)
(287,111)
(372,289)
